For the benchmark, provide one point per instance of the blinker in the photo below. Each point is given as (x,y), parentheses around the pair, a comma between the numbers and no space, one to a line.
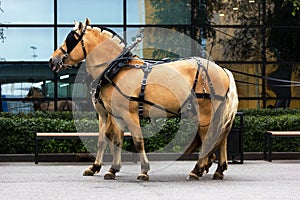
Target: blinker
(71,41)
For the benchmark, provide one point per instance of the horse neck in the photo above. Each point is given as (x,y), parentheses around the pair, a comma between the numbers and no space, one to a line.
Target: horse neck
(103,50)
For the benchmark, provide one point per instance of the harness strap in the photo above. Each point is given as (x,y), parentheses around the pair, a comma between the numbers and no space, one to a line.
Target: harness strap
(141,98)
(138,99)
(147,71)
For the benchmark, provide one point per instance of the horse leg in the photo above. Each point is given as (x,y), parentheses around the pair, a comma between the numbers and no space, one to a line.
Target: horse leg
(205,163)
(96,166)
(102,143)
(222,165)
(133,124)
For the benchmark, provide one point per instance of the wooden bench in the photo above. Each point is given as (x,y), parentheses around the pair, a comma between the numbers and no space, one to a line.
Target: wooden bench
(65,136)
(276,134)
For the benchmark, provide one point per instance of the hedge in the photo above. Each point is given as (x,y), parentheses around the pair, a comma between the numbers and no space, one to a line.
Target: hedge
(17,131)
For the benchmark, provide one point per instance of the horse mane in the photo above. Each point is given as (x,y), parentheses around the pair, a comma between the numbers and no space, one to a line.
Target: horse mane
(110,34)
(111,46)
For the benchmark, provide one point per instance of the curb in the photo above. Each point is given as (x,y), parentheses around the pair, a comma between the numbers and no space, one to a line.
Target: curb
(127,157)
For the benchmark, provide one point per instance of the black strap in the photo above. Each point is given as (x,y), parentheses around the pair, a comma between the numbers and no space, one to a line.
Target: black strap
(147,71)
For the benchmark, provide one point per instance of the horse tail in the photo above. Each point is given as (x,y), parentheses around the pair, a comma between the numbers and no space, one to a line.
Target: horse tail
(222,120)
(231,105)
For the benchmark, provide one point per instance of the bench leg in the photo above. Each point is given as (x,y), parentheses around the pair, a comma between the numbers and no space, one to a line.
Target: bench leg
(270,149)
(265,146)
(36,154)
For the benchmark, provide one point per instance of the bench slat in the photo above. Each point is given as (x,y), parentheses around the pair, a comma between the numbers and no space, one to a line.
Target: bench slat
(93,134)
(65,134)
(284,133)
(273,134)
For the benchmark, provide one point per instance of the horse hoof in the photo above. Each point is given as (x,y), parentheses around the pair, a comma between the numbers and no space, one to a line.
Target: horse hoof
(109,176)
(218,176)
(192,177)
(142,177)
(88,172)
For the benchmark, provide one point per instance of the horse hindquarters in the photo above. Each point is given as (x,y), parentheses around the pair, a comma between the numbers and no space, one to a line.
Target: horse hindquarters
(225,114)
(229,115)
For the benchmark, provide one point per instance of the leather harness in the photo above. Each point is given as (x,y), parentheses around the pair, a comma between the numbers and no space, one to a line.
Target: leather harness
(122,61)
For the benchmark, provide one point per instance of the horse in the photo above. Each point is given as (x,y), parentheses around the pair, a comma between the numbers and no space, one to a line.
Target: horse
(127,88)
(46,105)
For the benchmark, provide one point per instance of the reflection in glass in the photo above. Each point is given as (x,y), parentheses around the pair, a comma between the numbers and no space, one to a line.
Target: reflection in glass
(27,12)
(238,44)
(99,12)
(167,12)
(27,44)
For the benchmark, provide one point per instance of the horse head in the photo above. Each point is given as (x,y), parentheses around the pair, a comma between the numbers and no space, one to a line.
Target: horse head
(34,92)
(84,41)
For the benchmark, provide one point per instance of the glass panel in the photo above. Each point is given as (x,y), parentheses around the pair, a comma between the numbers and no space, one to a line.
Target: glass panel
(250,103)
(65,84)
(63,32)
(282,44)
(135,12)
(236,44)
(99,12)
(279,13)
(26,12)
(27,44)
(283,83)
(82,91)
(161,12)
(235,12)
(161,43)
(248,85)
(16,80)
(24,72)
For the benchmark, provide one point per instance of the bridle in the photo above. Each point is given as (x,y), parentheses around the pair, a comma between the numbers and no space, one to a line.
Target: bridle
(71,43)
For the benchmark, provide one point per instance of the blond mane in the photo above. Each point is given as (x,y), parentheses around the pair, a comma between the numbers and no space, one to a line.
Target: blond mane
(108,47)
(110,35)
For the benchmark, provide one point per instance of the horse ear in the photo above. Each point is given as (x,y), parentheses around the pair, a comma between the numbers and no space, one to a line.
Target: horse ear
(87,22)
(80,26)
(76,25)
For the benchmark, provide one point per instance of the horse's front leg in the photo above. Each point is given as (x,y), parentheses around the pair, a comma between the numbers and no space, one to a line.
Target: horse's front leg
(133,123)
(102,143)
(96,166)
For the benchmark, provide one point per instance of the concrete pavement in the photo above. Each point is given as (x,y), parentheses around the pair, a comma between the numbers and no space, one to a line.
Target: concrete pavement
(251,180)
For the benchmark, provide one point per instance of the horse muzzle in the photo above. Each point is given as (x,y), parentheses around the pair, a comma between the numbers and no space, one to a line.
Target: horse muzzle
(55,64)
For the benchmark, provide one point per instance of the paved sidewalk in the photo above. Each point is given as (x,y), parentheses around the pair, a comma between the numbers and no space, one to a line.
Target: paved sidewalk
(252,180)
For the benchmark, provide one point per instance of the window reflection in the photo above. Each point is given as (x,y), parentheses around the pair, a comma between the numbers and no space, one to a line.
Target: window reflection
(27,44)
(167,12)
(27,12)
(99,12)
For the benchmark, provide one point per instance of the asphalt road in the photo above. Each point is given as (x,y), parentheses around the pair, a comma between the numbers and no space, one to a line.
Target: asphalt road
(250,181)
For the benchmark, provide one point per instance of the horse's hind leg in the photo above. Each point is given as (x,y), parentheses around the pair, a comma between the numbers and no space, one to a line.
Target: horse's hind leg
(222,165)
(133,124)
(115,145)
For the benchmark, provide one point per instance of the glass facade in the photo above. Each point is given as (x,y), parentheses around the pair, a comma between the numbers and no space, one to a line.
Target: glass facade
(257,40)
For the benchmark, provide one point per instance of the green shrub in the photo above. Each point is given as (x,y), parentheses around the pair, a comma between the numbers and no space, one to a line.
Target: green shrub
(17,131)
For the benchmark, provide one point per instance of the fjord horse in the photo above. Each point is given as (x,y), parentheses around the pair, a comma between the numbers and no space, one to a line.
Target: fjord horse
(142,89)
(46,105)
